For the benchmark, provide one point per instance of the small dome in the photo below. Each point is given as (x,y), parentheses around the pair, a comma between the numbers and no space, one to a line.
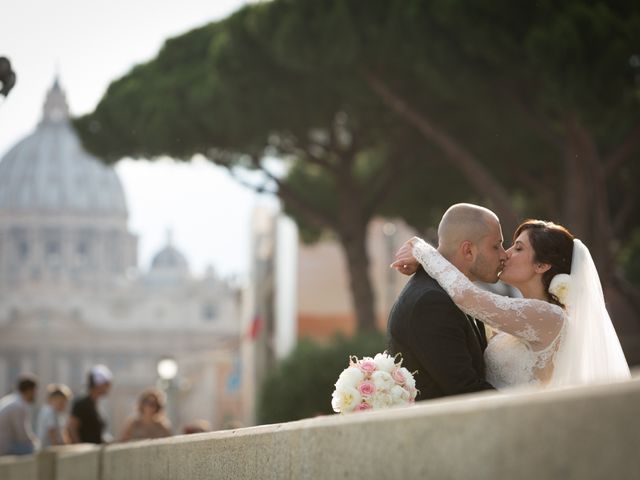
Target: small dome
(169,258)
(169,266)
(49,171)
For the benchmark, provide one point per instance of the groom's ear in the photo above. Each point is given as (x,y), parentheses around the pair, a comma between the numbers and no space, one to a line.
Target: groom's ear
(467,250)
(542,267)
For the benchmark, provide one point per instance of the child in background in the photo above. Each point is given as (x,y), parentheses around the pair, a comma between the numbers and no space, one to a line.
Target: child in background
(51,420)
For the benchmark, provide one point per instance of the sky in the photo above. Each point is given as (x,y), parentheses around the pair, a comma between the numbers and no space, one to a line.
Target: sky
(90,44)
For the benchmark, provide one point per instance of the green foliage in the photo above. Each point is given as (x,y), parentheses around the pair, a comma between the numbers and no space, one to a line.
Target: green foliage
(300,386)
(502,78)
(308,35)
(311,180)
(488,72)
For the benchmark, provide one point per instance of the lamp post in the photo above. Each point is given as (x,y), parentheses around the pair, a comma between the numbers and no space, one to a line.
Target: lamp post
(167,369)
(390,230)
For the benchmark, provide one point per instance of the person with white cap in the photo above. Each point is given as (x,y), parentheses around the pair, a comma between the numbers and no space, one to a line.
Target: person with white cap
(86,425)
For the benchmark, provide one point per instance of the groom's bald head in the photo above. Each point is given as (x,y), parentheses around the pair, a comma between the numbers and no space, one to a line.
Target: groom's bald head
(464,222)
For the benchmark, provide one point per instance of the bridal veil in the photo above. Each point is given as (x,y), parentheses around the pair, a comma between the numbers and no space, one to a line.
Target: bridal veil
(589,351)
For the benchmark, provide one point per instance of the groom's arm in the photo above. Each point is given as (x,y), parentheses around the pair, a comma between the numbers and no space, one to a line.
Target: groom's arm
(440,343)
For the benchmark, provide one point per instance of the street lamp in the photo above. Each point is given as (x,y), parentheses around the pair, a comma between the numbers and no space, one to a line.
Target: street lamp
(167,369)
(389,229)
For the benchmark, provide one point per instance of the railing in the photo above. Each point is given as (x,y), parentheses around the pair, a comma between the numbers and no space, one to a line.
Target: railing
(582,433)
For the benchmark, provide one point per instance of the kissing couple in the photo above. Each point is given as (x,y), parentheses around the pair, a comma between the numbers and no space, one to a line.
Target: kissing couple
(558,334)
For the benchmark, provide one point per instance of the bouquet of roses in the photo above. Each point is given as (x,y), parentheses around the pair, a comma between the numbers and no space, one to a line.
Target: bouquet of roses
(373,383)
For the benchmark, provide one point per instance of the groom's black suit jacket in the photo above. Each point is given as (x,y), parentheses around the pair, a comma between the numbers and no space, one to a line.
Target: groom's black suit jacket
(437,339)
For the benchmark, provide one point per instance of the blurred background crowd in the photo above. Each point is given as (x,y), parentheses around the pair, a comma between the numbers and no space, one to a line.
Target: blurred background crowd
(64,420)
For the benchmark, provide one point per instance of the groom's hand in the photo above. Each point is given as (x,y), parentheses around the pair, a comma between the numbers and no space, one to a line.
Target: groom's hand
(405,262)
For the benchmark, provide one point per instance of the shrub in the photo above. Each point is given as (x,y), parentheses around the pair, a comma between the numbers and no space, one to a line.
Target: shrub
(300,386)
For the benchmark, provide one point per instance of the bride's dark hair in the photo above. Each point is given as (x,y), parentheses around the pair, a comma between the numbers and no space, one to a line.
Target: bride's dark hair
(552,244)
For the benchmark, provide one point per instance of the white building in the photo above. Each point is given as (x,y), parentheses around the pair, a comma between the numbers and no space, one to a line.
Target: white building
(270,302)
(71,295)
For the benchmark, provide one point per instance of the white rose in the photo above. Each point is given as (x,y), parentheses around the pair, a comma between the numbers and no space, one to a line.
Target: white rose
(382,380)
(381,400)
(345,399)
(350,377)
(560,285)
(409,381)
(384,362)
(335,402)
(399,395)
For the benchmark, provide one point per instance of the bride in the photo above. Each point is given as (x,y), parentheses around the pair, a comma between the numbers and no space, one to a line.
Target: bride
(559,334)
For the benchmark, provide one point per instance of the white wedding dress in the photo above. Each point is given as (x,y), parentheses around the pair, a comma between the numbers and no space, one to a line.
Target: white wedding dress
(538,344)
(512,362)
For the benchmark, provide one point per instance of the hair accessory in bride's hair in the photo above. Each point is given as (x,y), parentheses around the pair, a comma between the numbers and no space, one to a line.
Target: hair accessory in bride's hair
(560,286)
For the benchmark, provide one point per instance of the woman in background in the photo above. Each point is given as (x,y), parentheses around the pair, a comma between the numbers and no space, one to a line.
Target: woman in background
(150,421)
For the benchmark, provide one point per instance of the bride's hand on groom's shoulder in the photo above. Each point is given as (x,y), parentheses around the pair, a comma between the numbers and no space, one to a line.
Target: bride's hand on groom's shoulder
(405,262)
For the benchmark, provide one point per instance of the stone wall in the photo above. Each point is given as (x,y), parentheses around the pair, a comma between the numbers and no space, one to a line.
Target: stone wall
(18,468)
(584,433)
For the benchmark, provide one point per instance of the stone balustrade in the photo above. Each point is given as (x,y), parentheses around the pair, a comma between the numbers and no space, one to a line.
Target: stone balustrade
(581,433)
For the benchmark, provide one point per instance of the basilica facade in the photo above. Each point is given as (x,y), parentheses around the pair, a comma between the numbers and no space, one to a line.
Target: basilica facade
(71,294)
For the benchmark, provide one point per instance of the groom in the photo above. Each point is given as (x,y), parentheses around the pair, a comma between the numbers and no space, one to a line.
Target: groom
(433,335)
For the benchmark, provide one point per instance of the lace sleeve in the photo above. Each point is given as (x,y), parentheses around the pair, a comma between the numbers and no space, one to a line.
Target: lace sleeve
(535,321)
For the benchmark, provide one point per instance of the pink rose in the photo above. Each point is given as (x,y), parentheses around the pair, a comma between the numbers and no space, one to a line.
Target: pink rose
(367,365)
(398,377)
(367,389)
(363,406)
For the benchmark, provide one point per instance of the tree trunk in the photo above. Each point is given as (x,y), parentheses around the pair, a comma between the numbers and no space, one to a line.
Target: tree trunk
(354,244)
(586,200)
(352,228)
(577,199)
